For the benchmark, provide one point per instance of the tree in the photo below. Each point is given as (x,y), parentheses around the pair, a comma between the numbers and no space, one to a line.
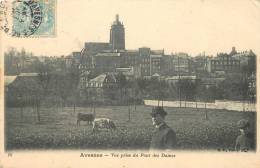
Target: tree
(250,67)
(141,86)
(234,87)
(203,95)
(188,89)
(122,83)
(44,71)
(65,83)
(74,79)
(62,86)
(12,66)
(28,91)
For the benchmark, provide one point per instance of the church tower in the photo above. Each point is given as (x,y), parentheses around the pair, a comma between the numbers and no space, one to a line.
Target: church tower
(117,35)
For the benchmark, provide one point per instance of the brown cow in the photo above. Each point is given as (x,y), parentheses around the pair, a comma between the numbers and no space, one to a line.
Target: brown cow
(85,117)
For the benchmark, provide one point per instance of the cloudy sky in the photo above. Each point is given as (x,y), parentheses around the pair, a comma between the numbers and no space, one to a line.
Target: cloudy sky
(191,26)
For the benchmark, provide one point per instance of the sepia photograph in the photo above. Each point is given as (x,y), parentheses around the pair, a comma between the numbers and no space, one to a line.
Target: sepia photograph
(158,77)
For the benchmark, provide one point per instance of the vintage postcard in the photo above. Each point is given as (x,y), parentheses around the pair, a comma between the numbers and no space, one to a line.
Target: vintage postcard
(129,83)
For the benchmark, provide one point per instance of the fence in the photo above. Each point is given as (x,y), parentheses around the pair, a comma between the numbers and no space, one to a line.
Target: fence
(219,104)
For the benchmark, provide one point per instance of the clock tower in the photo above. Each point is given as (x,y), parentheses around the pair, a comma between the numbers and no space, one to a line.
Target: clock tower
(117,35)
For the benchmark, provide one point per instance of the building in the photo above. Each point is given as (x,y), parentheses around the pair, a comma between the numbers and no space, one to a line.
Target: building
(245,57)
(130,58)
(156,61)
(127,72)
(107,61)
(181,63)
(150,61)
(103,57)
(144,54)
(76,56)
(252,87)
(8,80)
(68,61)
(117,35)
(200,63)
(87,54)
(223,62)
(233,51)
(83,79)
(103,81)
(23,89)
(167,65)
(100,88)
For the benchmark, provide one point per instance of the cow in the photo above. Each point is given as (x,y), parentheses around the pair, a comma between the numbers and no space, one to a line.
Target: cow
(85,117)
(103,123)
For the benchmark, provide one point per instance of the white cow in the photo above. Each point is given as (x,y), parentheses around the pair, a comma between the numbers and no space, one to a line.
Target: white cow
(102,123)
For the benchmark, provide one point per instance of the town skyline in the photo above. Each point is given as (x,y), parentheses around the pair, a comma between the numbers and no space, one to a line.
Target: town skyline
(166,28)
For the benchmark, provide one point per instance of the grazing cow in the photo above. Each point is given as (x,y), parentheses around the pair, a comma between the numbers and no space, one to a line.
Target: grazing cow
(85,117)
(103,123)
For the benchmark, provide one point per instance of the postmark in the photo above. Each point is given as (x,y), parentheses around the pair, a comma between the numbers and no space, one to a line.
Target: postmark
(4,19)
(29,18)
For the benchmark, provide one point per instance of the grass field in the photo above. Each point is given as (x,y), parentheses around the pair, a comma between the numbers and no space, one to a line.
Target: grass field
(58,130)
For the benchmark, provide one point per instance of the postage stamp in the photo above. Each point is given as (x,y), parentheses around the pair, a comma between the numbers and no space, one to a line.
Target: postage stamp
(29,18)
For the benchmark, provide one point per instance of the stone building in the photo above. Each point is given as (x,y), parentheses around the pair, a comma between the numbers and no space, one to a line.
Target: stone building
(117,35)
(200,63)
(156,63)
(88,53)
(224,62)
(181,63)
(150,61)
(130,58)
(244,57)
(103,57)
(100,88)
(107,61)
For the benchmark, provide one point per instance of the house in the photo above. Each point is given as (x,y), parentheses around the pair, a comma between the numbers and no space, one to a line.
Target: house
(8,80)
(100,88)
(22,89)
(103,81)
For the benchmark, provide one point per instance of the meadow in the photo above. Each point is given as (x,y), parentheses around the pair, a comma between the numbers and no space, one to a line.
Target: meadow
(58,129)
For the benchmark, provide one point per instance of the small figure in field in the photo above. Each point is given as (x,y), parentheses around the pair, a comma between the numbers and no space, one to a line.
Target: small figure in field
(245,141)
(89,118)
(164,137)
(103,124)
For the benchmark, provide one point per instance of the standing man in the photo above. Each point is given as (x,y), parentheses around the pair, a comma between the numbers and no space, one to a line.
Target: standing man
(164,137)
(246,140)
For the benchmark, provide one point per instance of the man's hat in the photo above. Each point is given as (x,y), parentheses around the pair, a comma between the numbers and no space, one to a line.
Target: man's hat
(243,123)
(158,110)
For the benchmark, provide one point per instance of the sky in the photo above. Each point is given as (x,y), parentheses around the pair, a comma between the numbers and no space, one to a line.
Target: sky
(191,26)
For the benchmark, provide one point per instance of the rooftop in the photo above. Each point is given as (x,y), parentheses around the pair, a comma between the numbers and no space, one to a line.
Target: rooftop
(102,77)
(9,79)
(111,54)
(99,78)
(28,74)
(157,52)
